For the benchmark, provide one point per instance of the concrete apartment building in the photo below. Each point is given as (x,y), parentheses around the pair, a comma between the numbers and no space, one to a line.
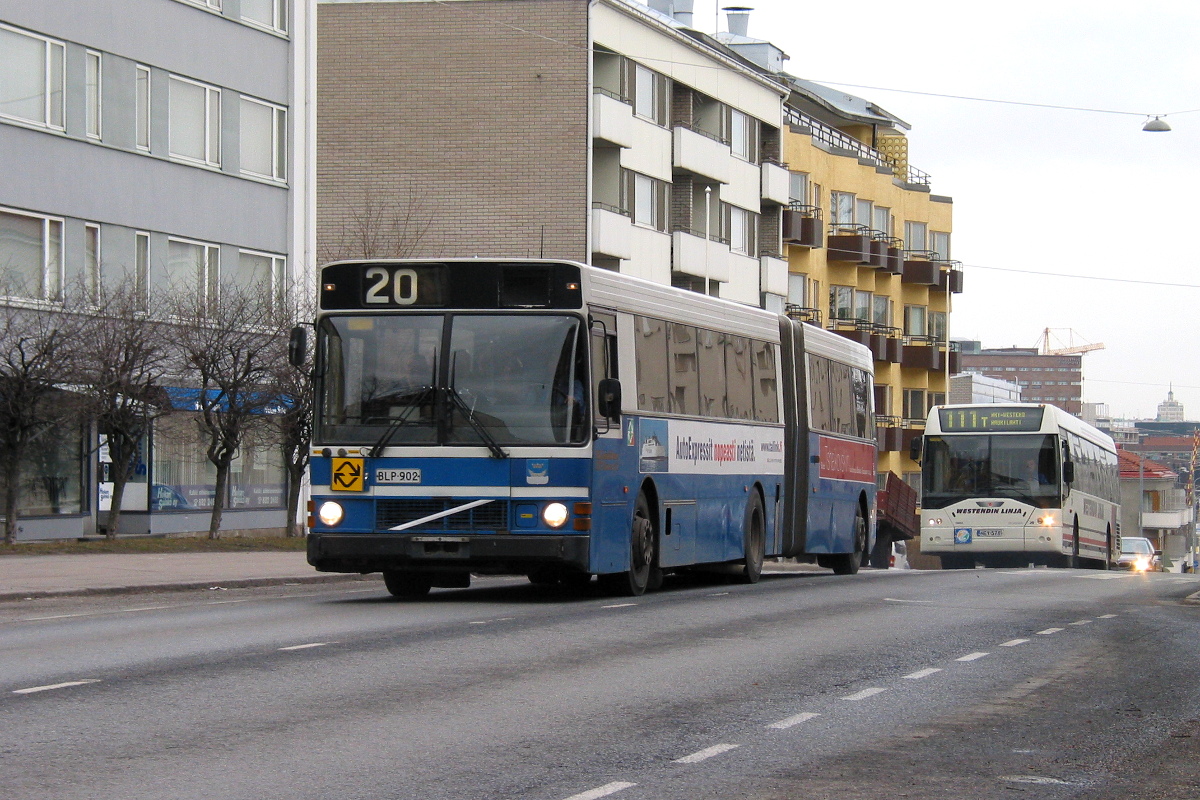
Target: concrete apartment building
(612,132)
(168,141)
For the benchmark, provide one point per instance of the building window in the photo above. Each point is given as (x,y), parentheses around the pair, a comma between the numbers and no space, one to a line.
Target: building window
(32,78)
(940,243)
(915,236)
(914,321)
(743,136)
(267,13)
(647,199)
(141,266)
(741,229)
(215,5)
(92,93)
(31,263)
(261,272)
(864,212)
(881,313)
(841,208)
(263,139)
(915,406)
(142,108)
(882,220)
(937,325)
(53,474)
(650,95)
(798,188)
(193,267)
(91,260)
(195,121)
(862,305)
(841,302)
(796,290)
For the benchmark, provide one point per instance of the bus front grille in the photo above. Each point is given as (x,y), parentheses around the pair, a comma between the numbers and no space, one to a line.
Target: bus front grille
(491,516)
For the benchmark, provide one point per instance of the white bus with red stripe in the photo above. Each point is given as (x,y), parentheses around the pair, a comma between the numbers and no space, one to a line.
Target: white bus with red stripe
(1018,484)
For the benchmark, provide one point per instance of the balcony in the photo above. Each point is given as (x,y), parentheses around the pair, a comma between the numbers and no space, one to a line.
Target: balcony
(923,355)
(878,338)
(612,119)
(851,243)
(773,274)
(802,225)
(611,231)
(888,433)
(1166,520)
(920,268)
(951,278)
(692,254)
(701,154)
(776,183)
(803,314)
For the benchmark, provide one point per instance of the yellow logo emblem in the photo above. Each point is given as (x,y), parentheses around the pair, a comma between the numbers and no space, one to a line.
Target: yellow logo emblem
(347,475)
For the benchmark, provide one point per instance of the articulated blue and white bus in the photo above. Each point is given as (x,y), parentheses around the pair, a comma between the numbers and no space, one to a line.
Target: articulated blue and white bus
(550,419)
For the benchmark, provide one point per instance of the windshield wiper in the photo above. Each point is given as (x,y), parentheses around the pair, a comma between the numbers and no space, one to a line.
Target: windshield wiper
(457,401)
(424,396)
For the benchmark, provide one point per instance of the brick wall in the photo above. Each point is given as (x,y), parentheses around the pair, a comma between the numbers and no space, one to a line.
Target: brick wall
(455,129)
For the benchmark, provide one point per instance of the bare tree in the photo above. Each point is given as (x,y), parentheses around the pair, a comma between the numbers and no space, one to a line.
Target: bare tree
(38,351)
(230,351)
(121,379)
(294,387)
(376,226)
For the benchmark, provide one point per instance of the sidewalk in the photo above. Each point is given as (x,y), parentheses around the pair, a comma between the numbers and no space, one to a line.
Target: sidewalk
(24,577)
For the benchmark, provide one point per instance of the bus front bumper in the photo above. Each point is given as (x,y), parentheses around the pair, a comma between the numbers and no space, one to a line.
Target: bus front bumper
(493,554)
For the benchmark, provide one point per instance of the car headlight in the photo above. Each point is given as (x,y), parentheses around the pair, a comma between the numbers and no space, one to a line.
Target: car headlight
(1141,564)
(330,513)
(555,515)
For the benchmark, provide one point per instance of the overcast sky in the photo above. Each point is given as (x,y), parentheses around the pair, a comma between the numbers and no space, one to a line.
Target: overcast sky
(1041,190)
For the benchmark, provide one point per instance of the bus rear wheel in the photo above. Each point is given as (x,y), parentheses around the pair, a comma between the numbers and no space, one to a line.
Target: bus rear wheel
(848,563)
(754,534)
(406,585)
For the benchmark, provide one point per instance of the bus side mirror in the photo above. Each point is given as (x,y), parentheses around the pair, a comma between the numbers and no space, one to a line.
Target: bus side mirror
(914,449)
(1069,472)
(609,399)
(297,346)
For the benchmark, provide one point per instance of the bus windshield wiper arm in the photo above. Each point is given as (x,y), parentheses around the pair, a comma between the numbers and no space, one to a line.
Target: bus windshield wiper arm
(423,397)
(496,450)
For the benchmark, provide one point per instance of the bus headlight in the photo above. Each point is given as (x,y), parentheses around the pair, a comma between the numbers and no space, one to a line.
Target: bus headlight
(555,515)
(330,513)
(1046,520)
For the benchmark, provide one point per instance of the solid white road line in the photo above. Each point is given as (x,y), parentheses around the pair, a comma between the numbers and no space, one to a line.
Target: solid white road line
(896,600)
(784,724)
(603,791)
(1013,642)
(1048,631)
(706,753)
(306,646)
(972,657)
(864,694)
(923,673)
(33,689)
(620,605)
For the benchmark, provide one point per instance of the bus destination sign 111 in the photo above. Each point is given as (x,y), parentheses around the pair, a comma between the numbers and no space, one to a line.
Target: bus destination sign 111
(984,418)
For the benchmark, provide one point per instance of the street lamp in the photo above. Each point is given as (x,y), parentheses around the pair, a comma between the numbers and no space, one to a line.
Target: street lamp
(1156,125)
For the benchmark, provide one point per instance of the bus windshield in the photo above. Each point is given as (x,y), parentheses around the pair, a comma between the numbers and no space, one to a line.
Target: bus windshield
(1019,466)
(458,379)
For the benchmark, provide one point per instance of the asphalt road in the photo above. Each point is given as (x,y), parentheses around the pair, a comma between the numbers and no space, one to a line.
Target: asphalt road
(958,684)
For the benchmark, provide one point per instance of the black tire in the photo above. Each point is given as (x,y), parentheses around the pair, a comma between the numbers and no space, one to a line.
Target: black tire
(848,563)
(881,553)
(1073,563)
(406,585)
(754,537)
(643,571)
(1109,557)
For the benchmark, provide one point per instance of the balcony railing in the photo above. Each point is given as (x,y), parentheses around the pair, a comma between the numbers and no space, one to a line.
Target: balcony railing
(803,314)
(831,137)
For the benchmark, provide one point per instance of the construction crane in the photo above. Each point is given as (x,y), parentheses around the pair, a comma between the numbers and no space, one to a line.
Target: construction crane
(1050,337)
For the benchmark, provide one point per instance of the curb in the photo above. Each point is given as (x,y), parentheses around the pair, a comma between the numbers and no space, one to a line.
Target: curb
(190,586)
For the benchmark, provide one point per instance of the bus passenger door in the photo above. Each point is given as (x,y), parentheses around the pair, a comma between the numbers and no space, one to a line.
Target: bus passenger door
(614,466)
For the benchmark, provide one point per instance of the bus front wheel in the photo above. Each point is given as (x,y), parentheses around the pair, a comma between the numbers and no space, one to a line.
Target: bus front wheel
(406,585)
(643,573)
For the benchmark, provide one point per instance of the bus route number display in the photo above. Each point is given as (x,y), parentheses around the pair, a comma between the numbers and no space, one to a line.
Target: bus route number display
(990,419)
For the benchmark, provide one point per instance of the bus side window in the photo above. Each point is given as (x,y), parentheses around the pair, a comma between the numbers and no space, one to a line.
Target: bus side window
(603,345)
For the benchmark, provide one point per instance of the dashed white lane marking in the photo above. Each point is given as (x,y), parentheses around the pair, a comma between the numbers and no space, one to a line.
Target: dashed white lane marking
(1048,631)
(620,605)
(1013,642)
(972,656)
(1082,622)
(918,602)
(864,694)
(602,791)
(1108,616)
(922,673)
(792,721)
(49,687)
(708,752)
(308,646)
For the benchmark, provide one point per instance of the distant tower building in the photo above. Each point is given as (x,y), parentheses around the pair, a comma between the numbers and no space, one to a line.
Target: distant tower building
(1170,410)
